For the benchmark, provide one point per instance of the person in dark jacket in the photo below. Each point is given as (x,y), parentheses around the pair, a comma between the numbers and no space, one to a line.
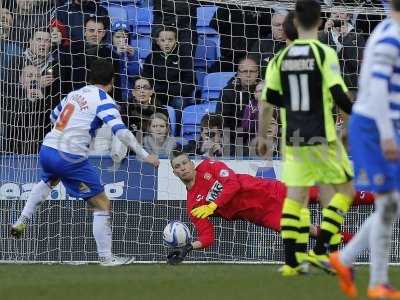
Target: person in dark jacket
(127,60)
(180,14)
(266,48)
(28,15)
(237,95)
(85,51)
(341,35)
(172,72)
(75,13)
(141,105)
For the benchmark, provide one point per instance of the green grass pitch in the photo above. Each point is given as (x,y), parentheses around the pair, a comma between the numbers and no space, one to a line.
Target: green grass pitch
(191,282)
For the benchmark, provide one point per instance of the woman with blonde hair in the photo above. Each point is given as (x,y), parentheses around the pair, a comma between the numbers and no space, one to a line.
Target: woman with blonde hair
(158,140)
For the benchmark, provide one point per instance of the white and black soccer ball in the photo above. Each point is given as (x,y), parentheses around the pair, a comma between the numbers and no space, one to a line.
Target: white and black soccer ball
(176,234)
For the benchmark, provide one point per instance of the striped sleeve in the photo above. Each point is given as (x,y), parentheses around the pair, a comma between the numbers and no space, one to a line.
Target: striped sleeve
(385,55)
(57,110)
(107,111)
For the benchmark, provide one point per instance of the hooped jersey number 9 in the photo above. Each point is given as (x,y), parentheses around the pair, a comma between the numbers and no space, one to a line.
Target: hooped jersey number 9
(64,117)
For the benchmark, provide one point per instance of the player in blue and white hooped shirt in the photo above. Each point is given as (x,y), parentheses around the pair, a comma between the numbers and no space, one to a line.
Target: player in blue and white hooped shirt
(374,136)
(63,155)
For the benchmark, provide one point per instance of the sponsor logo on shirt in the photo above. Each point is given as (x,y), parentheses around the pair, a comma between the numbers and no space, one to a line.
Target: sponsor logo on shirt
(214,192)
(224,173)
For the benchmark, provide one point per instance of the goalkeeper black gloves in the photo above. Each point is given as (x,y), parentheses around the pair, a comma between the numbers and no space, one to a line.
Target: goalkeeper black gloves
(177,255)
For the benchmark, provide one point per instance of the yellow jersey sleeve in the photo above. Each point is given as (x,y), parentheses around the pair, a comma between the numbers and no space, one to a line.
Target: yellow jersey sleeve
(272,78)
(331,70)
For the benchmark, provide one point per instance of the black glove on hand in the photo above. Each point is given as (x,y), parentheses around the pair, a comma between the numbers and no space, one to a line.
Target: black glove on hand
(177,255)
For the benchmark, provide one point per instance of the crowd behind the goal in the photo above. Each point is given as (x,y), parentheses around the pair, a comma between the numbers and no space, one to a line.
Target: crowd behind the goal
(46,48)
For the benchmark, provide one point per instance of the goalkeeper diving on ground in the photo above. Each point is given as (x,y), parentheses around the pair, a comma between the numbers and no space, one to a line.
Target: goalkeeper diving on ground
(64,155)
(214,190)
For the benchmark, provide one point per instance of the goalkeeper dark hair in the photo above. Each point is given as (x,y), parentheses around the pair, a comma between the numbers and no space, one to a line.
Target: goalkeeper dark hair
(174,154)
(308,13)
(396,5)
(101,72)
(289,28)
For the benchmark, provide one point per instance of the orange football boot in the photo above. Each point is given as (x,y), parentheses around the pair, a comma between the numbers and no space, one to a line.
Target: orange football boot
(345,276)
(383,291)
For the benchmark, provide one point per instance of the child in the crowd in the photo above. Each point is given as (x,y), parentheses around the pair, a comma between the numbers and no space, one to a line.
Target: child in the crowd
(158,141)
(211,138)
(172,72)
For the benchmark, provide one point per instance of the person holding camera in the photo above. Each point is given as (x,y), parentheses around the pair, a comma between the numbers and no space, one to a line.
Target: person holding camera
(340,34)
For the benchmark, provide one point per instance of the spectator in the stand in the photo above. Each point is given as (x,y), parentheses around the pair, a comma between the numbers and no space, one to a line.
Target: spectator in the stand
(249,121)
(28,16)
(9,51)
(92,47)
(172,72)
(53,68)
(142,104)
(239,28)
(267,48)
(127,59)
(340,34)
(38,54)
(158,141)
(211,139)
(26,114)
(182,15)
(59,36)
(75,13)
(237,95)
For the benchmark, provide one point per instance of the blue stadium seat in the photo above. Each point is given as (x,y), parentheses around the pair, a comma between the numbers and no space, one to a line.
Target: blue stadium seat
(141,19)
(208,51)
(214,83)
(142,44)
(204,16)
(116,12)
(191,117)
(172,119)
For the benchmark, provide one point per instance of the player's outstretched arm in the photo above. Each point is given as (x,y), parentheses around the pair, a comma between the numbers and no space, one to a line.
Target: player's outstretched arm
(127,138)
(109,114)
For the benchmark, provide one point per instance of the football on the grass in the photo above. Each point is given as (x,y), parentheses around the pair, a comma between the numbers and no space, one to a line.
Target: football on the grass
(176,234)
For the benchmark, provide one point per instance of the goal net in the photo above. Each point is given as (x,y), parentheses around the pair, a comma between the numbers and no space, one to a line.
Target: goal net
(43,57)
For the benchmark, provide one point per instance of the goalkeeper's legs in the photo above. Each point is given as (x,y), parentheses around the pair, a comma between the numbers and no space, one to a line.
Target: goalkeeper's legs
(102,231)
(38,194)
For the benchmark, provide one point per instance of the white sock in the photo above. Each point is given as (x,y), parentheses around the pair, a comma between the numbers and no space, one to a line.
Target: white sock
(358,243)
(102,233)
(38,194)
(380,236)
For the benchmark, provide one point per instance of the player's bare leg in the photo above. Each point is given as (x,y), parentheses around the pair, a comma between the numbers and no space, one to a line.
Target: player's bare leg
(38,194)
(102,232)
